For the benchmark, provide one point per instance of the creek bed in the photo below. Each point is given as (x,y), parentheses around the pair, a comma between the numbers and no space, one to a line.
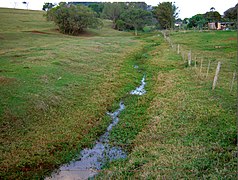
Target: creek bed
(90,161)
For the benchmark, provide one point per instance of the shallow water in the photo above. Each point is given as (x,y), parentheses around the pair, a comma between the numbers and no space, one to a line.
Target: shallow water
(141,89)
(92,160)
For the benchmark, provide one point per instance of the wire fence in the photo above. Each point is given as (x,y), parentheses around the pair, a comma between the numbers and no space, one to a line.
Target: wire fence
(212,67)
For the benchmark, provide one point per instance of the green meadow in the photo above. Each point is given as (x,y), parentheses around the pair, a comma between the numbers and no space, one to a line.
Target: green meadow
(190,130)
(55,90)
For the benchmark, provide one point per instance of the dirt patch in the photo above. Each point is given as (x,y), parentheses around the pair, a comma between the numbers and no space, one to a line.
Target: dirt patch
(87,34)
(232,39)
(37,32)
(5,80)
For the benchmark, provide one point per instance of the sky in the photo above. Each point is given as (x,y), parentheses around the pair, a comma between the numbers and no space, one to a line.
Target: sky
(187,8)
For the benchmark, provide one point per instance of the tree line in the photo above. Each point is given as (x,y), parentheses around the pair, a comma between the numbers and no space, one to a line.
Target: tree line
(75,17)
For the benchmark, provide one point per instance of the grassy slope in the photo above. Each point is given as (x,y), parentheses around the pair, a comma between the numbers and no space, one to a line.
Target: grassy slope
(190,130)
(55,90)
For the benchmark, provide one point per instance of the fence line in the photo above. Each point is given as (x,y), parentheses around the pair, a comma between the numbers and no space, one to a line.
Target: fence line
(206,65)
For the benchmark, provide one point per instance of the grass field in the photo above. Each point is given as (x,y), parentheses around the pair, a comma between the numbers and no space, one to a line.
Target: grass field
(55,90)
(190,131)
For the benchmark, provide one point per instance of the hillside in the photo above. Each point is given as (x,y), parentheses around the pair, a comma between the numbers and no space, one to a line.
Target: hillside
(55,89)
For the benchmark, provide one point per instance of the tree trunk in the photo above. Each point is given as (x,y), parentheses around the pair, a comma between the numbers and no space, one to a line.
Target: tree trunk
(114,23)
(136,33)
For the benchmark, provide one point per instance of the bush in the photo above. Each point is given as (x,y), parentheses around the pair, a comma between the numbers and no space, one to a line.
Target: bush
(73,19)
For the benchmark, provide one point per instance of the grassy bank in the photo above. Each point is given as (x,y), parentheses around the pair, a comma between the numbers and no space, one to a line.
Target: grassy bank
(188,130)
(55,90)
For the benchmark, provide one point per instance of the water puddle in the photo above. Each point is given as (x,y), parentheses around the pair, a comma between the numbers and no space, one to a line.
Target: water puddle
(92,160)
(136,66)
(141,89)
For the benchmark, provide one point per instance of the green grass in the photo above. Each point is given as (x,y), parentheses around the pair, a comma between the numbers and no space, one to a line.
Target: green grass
(55,90)
(180,129)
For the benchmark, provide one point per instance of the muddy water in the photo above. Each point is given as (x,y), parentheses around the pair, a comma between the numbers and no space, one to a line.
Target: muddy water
(91,160)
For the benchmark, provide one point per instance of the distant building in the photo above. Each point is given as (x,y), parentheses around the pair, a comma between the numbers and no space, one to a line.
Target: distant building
(220,25)
(212,26)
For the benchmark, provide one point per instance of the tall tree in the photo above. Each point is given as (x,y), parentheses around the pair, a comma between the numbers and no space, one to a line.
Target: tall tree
(26,3)
(231,13)
(136,18)
(166,13)
(212,16)
(97,7)
(197,21)
(113,11)
(212,9)
(47,6)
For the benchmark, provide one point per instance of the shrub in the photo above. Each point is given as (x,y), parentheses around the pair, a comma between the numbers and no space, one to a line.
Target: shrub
(72,19)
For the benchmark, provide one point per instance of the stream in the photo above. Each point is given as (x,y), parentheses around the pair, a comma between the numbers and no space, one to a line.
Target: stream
(90,161)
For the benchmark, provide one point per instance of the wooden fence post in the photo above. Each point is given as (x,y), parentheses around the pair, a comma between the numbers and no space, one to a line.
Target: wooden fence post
(201,66)
(216,75)
(178,49)
(232,82)
(208,68)
(189,58)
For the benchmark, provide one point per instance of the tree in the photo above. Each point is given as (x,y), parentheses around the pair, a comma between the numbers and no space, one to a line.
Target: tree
(197,21)
(15,4)
(137,18)
(141,5)
(231,13)
(47,6)
(26,3)
(113,11)
(166,13)
(212,16)
(97,7)
(212,9)
(73,19)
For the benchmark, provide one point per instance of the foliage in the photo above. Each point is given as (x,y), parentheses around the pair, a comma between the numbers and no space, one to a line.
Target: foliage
(201,20)
(113,11)
(73,19)
(166,13)
(141,5)
(231,13)
(26,3)
(127,16)
(136,18)
(97,7)
(212,9)
(197,21)
(56,90)
(212,16)
(47,6)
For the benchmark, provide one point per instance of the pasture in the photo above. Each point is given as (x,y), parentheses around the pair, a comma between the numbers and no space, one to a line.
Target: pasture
(56,90)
